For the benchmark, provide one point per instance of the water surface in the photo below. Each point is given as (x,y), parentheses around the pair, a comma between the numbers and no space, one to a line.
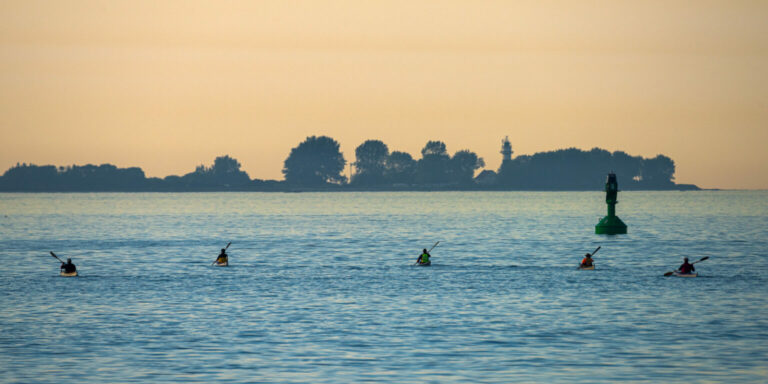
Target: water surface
(321,288)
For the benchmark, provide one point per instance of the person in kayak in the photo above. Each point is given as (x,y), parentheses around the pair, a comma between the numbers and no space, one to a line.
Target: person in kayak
(586,261)
(222,258)
(424,257)
(686,268)
(68,267)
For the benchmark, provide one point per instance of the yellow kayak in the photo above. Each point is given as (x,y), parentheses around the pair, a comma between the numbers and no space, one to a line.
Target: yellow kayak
(67,274)
(591,267)
(224,264)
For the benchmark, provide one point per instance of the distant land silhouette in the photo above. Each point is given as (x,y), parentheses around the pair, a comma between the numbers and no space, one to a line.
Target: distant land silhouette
(317,164)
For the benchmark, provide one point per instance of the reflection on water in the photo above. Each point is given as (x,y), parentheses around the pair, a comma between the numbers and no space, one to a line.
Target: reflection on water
(321,288)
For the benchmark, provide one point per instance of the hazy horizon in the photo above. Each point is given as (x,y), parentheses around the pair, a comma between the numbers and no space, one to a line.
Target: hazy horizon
(168,86)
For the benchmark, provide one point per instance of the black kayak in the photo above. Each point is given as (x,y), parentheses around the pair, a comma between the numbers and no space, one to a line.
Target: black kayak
(427,264)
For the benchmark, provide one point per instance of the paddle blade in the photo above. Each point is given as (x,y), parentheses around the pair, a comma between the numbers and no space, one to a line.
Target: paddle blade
(703,258)
(228,244)
(595,251)
(669,274)
(55,257)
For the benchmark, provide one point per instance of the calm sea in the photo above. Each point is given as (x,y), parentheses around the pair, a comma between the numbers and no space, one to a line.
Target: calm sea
(321,288)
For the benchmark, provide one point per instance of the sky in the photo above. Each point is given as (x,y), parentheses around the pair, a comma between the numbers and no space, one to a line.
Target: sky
(168,85)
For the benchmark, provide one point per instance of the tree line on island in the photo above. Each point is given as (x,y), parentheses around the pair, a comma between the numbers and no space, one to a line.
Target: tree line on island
(317,164)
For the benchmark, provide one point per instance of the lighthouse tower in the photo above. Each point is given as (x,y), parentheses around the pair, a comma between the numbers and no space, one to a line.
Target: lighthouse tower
(506,149)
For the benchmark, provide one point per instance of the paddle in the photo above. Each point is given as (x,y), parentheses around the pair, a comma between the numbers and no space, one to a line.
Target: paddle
(56,257)
(670,273)
(430,250)
(225,248)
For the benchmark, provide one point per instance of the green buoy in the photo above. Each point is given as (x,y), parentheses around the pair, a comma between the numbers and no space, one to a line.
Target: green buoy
(611,224)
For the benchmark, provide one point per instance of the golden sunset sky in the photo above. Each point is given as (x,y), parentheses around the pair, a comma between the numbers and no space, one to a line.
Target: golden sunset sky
(168,85)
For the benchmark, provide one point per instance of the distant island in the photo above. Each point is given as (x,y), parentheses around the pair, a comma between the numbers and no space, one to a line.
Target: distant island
(317,164)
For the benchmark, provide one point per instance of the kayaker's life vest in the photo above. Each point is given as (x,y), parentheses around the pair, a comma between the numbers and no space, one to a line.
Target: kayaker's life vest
(586,262)
(222,258)
(686,268)
(424,258)
(68,268)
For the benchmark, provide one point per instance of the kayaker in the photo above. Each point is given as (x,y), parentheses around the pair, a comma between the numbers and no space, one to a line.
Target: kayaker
(424,257)
(68,267)
(686,268)
(222,258)
(586,261)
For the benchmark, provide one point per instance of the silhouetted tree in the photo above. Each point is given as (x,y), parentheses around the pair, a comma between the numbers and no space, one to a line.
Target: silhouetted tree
(463,166)
(434,148)
(224,173)
(30,177)
(486,178)
(172,183)
(371,163)
(434,165)
(401,168)
(315,162)
(658,171)
(318,161)
(105,177)
(624,164)
(571,169)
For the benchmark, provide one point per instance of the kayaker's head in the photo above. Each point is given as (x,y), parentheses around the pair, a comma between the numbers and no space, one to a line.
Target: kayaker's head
(425,250)
(587,255)
(685,259)
(69,261)
(223,250)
